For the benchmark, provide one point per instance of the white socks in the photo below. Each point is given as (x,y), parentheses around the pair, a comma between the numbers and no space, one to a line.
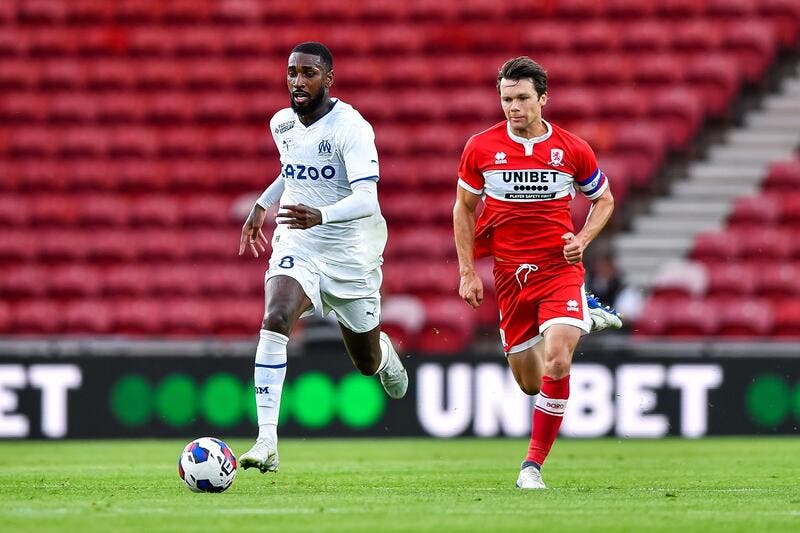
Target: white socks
(384,353)
(270,371)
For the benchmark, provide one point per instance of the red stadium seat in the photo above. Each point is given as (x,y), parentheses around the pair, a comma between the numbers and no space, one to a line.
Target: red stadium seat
(127,280)
(658,70)
(579,9)
(73,281)
(644,145)
(613,71)
(5,318)
(89,12)
(17,74)
(14,210)
(239,13)
(176,280)
(731,279)
(754,45)
(715,247)
(696,36)
(784,176)
(596,36)
(53,42)
(691,319)
(790,208)
(192,318)
(61,245)
(571,105)
(69,108)
(88,316)
(148,175)
(42,317)
(717,76)
(744,318)
(764,243)
(761,209)
(786,318)
(23,108)
(155,211)
(680,10)
(655,321)
(680,110)
(32,142)
(83,142)
(621,104)
(110,247)
(42,12)
(158,75)
(213,244)
(449,324)
(23,282)
(104,210)
(168,108)
(246,279)
(181,142)
(133,12)
(110,75)
(159,244)
(139,316)
(402,317)
(549,37)
(730,10)
(646,36)
(777,280)
(238,317)
(785,18)
(139,142)
(205,209)
(630,9)
(151,41)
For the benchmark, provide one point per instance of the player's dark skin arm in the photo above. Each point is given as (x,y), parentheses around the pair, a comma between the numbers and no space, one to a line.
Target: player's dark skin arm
(599,215)
(299,216)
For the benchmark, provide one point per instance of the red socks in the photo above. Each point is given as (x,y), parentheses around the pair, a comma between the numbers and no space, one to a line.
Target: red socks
(547,415)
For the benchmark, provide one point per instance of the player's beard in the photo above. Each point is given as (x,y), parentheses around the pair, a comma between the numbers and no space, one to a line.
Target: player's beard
(311,106)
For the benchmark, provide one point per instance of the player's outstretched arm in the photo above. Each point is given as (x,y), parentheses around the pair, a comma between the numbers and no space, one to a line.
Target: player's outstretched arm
(252,236)
(470,287)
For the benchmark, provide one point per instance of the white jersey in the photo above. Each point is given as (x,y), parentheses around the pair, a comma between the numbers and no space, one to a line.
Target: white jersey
(318,164)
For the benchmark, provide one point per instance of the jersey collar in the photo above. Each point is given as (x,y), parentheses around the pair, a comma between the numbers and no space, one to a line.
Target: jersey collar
(299,122)
(529,143)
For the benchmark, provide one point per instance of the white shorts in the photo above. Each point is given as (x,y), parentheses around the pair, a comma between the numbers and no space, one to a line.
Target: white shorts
(352,294)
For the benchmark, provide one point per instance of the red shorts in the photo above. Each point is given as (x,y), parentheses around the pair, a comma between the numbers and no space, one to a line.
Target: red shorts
(533,298)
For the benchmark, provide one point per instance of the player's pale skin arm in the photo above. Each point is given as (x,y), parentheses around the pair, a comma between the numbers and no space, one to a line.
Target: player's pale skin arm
(471,287)
(599,214)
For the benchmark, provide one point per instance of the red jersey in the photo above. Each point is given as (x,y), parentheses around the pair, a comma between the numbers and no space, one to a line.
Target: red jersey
(527,185)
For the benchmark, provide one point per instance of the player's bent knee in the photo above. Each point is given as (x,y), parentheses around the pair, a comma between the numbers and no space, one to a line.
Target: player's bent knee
(557,368)
(530,389)
(277,321)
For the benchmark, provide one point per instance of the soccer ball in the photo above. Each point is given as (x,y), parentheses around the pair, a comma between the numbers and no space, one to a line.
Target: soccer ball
(207,465)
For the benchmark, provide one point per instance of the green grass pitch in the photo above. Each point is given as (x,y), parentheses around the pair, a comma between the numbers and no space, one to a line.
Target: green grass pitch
(718,484)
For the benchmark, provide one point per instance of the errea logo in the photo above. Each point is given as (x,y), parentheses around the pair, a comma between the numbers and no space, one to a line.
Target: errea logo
(572,305)
(500,158)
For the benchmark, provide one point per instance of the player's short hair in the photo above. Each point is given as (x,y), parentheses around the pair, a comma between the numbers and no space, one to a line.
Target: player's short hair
(521,68)
(316,49)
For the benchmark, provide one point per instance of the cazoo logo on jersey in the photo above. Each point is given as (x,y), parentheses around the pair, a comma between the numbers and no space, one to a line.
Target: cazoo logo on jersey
(302,172)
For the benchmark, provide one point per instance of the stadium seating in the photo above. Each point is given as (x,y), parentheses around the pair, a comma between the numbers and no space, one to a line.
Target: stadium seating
(130,131)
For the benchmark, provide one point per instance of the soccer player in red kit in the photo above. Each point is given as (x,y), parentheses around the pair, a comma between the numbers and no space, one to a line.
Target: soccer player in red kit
(526,170)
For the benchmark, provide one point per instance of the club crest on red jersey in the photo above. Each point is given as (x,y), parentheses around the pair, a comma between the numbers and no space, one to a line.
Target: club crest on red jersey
(556,157)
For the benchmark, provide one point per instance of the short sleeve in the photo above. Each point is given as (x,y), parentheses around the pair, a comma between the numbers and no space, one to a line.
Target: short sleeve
(359,153)
(469,175)
(589,179)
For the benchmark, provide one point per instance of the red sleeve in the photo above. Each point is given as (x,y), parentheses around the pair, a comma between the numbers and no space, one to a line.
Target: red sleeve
(469,175)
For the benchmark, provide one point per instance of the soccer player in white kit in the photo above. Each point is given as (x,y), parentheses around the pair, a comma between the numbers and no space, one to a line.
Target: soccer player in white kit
(326,249)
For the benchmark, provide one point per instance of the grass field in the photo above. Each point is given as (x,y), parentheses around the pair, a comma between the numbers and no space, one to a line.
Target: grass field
(409,485)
